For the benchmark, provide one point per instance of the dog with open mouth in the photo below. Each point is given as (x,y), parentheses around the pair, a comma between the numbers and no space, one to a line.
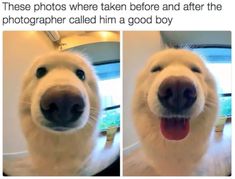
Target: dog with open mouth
(59,108)
(174,107)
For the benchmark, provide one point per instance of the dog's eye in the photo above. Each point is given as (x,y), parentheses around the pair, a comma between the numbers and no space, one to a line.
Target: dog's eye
(156,69)
(80,74)
(196,69)
(41,71)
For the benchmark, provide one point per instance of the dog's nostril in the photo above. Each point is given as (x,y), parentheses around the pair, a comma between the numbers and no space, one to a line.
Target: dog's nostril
(190,92)
(53,107)
(169,92)
(77,108)
(165,92)
(62,105)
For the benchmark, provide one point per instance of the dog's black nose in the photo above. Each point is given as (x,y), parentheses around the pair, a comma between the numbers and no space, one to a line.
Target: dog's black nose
(62,105)
(177,93)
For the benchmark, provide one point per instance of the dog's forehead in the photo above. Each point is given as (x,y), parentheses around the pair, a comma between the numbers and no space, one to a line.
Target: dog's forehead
(175,56)
(61,58)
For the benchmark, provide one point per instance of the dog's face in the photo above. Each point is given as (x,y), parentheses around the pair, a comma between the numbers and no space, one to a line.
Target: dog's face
(175,87)
(60,92)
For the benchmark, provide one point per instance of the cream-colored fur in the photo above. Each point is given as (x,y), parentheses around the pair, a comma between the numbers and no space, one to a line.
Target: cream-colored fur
(169,157)
(52,152)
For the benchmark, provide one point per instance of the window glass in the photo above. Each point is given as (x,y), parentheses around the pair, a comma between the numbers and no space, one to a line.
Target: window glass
(110,90)
(219,63)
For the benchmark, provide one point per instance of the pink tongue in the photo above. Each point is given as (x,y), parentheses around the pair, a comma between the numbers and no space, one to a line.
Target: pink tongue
(174,128)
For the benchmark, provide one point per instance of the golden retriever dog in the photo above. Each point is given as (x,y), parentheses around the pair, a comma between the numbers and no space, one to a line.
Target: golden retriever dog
(175,106)
(59,108)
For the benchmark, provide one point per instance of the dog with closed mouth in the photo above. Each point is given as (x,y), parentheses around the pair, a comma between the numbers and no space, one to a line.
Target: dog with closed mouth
(174,107)
(59,108)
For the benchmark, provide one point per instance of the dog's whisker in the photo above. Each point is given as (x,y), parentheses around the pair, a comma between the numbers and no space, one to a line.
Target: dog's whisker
(93,118)
(94,110)
(25,102)
(91,122)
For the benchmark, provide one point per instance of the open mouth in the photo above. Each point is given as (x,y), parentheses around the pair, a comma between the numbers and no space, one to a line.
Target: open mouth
(174,128)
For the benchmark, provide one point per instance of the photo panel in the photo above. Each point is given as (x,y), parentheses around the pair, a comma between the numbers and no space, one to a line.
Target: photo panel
(177,103)
(61,98)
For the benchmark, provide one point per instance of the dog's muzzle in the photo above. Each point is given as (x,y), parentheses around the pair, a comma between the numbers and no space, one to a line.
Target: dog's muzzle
(62,105)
